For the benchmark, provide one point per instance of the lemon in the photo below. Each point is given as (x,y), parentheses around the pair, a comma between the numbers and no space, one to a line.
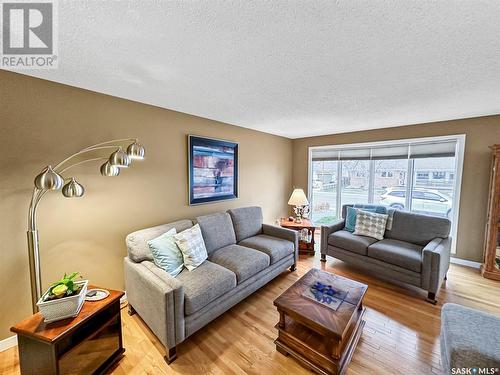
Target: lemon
(60,290)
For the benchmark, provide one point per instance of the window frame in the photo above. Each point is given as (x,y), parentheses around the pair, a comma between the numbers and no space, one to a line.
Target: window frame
(457,180)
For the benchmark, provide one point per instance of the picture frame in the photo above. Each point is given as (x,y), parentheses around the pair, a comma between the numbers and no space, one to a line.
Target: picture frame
(212,170)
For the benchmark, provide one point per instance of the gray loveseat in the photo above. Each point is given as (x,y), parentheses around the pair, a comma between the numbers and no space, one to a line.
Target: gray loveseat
(243,255)
(415,251)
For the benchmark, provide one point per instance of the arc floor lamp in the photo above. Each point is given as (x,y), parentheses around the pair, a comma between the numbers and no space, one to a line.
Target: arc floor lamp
(51,178)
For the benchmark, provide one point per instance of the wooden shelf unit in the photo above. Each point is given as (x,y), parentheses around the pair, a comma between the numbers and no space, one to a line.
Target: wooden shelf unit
(490,268)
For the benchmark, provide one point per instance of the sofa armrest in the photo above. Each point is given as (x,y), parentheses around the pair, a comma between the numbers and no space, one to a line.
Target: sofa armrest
(285,234)
(435,263)
(326,230)
(158,298)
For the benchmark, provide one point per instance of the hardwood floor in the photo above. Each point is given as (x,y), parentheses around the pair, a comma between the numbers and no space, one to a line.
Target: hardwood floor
(401,333)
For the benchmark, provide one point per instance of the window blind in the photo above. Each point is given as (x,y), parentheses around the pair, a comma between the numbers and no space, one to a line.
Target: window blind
(398,150)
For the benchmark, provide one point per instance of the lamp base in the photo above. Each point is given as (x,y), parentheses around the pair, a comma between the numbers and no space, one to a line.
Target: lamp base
(298,220)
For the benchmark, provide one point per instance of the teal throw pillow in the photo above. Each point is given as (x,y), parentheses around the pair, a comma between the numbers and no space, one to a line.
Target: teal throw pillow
(350,220)
(166,254)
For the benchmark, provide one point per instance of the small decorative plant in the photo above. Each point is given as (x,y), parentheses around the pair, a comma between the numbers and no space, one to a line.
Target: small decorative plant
(65,287)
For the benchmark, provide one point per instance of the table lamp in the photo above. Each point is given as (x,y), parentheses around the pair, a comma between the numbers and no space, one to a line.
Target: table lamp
(301,205)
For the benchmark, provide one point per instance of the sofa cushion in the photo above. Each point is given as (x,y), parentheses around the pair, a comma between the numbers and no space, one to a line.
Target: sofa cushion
(370,224)
(217,230)
(166,253)
(399,253)
(469,338)
(348,241)
(137,242)
(418,229)
(275,247)
(247,221)
(243,261)
(192,246)
(204,284)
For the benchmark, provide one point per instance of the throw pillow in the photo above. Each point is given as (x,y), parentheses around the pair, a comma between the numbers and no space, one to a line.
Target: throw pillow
(350,219)
(192,247)
(166,254)
(370,224)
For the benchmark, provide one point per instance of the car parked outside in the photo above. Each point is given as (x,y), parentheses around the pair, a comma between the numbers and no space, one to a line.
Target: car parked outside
(425,201)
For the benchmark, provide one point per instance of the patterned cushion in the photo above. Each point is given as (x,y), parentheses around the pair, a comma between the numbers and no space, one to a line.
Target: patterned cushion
(192,246)
(166,254)
(370,224)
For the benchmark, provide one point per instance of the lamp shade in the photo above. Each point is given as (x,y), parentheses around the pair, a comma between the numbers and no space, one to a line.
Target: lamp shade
(119,158)
(135,151)
(109,170)
(298,198)
(49,180)
(73,189)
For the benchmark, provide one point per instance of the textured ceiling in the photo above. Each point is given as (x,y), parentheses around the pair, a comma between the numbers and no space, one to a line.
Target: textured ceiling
(292,68)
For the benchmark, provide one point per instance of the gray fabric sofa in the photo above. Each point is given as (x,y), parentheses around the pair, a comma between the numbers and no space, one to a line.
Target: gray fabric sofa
(469,339)
(416,250)
(243,255)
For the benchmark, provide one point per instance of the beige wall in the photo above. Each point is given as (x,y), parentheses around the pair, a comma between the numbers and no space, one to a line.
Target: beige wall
(480,133)
(42,122)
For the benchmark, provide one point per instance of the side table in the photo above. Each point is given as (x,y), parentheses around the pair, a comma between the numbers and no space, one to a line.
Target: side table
(87,344)
(305,247)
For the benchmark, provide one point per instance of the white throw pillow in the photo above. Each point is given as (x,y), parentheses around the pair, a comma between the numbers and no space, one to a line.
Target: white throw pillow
(370,224)
(192,246)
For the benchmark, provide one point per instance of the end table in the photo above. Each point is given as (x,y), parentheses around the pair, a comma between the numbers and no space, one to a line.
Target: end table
(88,344)
(305,247)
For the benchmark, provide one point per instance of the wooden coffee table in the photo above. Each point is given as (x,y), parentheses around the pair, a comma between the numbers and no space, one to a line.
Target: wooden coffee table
(318,336)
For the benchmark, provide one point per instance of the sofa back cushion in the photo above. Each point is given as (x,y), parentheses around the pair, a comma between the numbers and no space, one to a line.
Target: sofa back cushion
(217,230)
(137,242)
(247,221)
(418,229)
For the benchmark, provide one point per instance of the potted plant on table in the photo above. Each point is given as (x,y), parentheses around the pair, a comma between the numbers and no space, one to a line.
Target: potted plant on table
(64,298)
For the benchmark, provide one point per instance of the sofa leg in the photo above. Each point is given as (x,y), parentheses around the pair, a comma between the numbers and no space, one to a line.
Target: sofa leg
(431,298)
(131,311)
(446,276)
(293,267)
(323,257)
(171,355)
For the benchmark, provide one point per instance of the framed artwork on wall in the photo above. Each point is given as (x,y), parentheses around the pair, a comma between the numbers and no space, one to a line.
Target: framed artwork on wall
(213,170)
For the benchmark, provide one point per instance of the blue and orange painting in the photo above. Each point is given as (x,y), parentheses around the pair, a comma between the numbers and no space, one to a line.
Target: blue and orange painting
(213,170)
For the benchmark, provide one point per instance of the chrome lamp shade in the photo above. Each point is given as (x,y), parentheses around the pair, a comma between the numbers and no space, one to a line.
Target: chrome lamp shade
(119,158)
(135,151)
(49,180)
(109,170)
(73,189)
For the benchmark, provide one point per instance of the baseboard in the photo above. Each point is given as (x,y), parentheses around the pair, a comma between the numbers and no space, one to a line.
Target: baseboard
(8,343)
(464,262)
